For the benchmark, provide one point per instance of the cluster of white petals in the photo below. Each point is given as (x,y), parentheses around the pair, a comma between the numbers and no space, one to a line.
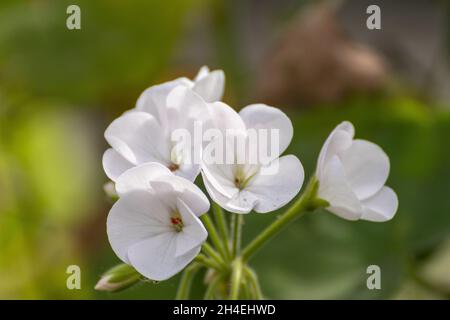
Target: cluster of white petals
(143,134)
(246,185)
(154,226)
(352,174)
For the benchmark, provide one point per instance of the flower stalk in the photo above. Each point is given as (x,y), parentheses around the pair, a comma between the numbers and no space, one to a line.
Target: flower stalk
(237,221)
(236,279)
(214,236)
(184,287)
(307,202)
(223,229)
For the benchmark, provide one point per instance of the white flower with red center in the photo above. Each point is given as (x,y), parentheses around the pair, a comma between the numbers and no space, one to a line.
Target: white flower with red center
(154,226)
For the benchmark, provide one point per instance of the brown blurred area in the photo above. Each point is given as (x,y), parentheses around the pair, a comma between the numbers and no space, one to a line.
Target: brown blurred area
(322,52)
(314,61)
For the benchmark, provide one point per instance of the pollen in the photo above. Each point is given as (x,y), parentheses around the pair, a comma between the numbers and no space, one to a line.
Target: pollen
(177,222)
(173,167)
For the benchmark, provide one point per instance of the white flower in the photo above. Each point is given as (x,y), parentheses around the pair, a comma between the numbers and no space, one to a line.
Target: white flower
(209,85)
(352,174)
(138,137)
(243,186)
(154,226)
(143,134)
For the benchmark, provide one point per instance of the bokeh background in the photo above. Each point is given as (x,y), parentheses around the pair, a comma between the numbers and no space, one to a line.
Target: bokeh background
(316,60)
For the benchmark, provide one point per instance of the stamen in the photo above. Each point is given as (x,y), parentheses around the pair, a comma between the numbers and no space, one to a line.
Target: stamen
(173,167)
(177,222)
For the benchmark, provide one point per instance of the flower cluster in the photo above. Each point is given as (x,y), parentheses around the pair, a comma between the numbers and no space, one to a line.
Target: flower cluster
(154,225)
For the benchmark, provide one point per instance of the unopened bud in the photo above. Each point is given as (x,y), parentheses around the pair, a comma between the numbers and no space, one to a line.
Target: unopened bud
(110,190)
(118,278)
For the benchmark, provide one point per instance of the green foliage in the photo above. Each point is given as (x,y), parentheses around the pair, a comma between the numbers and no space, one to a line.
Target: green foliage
(119,47)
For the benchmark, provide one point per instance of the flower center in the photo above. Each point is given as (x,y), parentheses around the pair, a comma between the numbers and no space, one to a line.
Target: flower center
(177,222)
(241,179)
(173,167)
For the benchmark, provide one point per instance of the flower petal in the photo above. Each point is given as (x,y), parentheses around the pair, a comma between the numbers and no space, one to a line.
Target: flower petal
(139,177)
(220,177)
(261,116)
(156,258)
(153,99)
(366,167)
(225,118)
(210,86)
(380,207)
(334,188)
(184,190)
(202,72)
(338,140)
(134,217)
(229,197)
(138,137)
(185,106)
(188,171)
(114,164)
(193,233)
(279,185)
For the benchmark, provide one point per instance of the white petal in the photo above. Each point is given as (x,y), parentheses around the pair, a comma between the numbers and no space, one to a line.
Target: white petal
(338,140)
(139,177)
(380,207)
(156,258)
(225,118)
(261,116)
(134,217)
(114,164)
(221,178)
(153,99)
(210,86)
(188,171)
(138,137)
(232,200)
(202,72)
(278,188)
(188,105)
(366,167)
(184,190)
(334,188)
(193,233)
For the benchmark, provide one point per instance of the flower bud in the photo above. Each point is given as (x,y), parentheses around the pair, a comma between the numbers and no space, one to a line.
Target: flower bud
(110,190)
(118,278)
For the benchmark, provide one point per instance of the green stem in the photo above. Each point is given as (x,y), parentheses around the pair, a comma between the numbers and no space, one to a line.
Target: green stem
(236,278)
(307,202)
(212,287)
(208,262)
(222,223)
(253,278)
(427,284)
(214,236)
(237,220)
(213,254)
(184,287)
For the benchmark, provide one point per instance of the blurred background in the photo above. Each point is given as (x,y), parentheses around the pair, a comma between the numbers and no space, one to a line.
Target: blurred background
(316,60)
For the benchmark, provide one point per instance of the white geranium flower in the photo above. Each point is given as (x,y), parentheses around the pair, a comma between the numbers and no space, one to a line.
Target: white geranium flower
(352,174)
(154,226)
(243,186)
(208,84)
(138,137)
